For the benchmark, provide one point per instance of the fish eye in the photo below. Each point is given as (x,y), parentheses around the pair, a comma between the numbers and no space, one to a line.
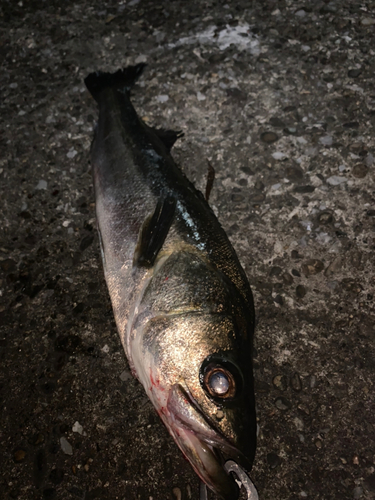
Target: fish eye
(220,380)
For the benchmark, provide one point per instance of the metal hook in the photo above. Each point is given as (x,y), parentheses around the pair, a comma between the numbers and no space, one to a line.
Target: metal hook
(246,482)
(243,479)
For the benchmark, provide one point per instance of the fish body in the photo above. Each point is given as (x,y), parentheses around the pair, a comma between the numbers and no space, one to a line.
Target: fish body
(181,300)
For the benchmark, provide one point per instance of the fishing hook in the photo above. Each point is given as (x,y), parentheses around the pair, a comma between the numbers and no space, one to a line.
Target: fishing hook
(243,479)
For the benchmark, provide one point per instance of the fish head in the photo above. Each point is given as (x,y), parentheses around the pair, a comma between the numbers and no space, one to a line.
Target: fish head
(200,381)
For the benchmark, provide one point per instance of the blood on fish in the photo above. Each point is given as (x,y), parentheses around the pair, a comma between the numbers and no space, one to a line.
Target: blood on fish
(155,383)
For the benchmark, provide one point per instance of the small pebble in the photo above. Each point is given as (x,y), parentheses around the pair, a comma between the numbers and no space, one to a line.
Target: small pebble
(326,140)
(280,382)
(318,444)
(275,271)
(279,155)
(258,198)
(354,73)
(141,59)
(71,153)
(162,98)
(264,289)
(126,376)
(77,427)
(293,173)
(177,493)
(336,180)
(237,197)
(359,171)
(300,291)
(301,140)
(279,300)
(200,96)
(283,404)
(259,186)
(296,383)
(290,130)
(298,423)
(41,185)
(287,279)
(369,160)
(269,137)
(312,266)
(19,455)
(304,409)
(305,189)
(276,122)
(66,446)
(357,492)
(367,21)
(295,254)
(325,218)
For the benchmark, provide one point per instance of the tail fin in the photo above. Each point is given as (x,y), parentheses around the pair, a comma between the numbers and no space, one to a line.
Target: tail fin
(123,79)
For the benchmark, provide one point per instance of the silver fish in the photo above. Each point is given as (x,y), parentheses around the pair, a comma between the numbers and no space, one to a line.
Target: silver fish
(182,303)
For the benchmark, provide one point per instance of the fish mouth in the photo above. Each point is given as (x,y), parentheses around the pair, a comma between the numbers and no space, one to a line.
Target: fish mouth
(203,445)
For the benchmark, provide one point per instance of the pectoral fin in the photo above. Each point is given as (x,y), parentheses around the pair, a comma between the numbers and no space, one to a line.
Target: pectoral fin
(154,232)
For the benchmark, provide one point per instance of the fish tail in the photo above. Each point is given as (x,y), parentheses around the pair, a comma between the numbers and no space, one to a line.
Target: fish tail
(123,79)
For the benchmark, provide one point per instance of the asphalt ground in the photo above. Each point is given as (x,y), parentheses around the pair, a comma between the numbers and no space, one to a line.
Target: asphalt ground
(279,97)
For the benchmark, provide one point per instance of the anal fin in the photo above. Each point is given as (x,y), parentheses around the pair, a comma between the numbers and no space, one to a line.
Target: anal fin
(154,231)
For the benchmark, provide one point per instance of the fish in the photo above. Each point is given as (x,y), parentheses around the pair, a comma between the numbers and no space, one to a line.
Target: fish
(181,300)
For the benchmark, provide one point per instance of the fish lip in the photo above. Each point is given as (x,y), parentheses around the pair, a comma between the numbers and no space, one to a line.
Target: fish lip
(221,444)
(207,452)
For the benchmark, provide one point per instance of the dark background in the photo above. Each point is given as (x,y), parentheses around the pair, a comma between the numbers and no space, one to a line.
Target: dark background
(286,117)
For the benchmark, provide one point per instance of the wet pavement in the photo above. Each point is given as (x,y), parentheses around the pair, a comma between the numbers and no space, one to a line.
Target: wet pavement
(279,97)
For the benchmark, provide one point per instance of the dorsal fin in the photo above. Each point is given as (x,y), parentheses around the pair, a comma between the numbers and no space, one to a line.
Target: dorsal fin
(167,137)
(154,231)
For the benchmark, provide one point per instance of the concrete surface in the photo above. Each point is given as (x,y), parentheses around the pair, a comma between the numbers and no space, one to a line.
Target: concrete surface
(279,96)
